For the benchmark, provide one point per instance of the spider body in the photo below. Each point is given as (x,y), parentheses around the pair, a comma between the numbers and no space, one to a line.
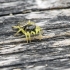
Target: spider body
(30,29)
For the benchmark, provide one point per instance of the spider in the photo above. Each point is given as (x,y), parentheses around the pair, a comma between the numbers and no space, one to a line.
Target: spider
(29,29)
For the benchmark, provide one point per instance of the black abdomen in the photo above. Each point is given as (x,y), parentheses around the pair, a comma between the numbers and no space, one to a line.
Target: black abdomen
(29,28)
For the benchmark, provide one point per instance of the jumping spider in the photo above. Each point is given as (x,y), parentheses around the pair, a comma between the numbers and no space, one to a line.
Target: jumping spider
(29,29)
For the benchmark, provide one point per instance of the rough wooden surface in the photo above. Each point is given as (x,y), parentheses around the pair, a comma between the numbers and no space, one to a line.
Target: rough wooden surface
(52,52)
(14,6)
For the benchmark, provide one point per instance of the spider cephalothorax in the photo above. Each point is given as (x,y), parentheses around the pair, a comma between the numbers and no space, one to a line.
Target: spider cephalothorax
(29,29)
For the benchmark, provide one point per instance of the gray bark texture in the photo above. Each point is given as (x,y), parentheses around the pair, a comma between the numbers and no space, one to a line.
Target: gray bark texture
(52,52)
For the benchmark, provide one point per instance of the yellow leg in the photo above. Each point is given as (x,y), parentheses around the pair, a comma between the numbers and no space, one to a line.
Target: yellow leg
(38,31)
(32,33)
(29,37)
(17,33)
(26,34)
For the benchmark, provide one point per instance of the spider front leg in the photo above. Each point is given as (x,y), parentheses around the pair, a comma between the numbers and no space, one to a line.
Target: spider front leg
(28,37)
(17,32)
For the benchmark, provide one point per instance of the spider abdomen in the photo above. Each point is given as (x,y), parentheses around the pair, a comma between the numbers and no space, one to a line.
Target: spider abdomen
(29,28)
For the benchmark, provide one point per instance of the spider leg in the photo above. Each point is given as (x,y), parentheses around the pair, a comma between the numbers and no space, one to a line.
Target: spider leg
(30,22)
(32,33)
(17,32)
(24,32)
(29,37)
(38,31)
